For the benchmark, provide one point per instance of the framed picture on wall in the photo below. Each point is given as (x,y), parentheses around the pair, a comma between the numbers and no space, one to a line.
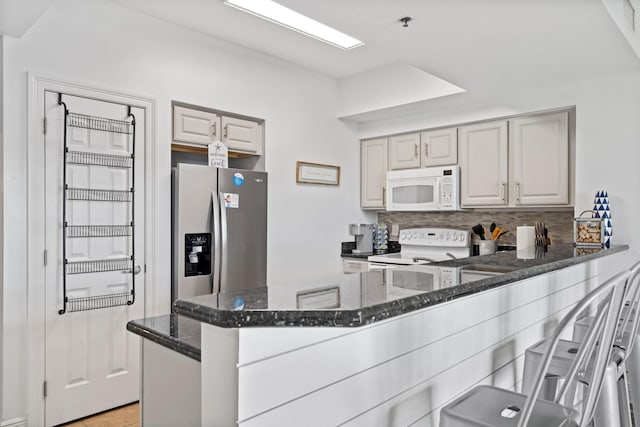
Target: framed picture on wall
(316,173)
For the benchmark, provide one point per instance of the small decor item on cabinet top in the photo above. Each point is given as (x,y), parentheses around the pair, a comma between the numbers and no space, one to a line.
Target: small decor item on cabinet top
(588,231)
(380,240)
(218,155)
(601,209)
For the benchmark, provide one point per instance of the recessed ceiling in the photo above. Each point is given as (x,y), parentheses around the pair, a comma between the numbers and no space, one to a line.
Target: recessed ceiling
(214,18)
(473,44)
(487,47)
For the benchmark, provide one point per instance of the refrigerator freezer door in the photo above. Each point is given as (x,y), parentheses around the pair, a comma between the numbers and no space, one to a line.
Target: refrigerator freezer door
(243,205)
(192,219)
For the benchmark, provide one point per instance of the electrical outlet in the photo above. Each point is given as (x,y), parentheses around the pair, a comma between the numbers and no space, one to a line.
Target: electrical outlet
(395,229)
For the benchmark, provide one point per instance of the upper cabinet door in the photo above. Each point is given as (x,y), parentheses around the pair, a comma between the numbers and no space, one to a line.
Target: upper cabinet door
(541,159)
(373,173)
(242,135)
(483,164)
(195,126)
(404,151)
(439,147)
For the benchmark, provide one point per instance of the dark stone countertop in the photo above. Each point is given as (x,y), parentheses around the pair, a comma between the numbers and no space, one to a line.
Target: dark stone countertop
(177,333)
(353,300)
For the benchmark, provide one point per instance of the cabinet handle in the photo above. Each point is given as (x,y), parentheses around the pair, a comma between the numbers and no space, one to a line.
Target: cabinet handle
(384,199)
(503,192)
(426,150)
(517,192)
(415,150)
(215,130)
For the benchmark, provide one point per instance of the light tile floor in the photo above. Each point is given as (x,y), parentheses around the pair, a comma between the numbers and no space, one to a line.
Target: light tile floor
(124,416)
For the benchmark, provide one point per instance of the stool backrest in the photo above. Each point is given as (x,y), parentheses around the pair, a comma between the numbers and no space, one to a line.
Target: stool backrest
(630,318)
(594,350)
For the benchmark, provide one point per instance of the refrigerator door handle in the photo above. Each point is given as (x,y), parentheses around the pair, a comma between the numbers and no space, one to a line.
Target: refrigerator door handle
(217,261)
(223,239)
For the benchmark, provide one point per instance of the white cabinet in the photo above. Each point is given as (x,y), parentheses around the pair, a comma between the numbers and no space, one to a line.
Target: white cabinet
(439,147)
(241,135)
(523,161)
(373,173)
(404,151)
(541,159)
(483,164)
(200,128)
(195,126)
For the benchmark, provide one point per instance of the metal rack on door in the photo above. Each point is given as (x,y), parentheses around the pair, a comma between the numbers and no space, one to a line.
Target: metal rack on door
(74,231)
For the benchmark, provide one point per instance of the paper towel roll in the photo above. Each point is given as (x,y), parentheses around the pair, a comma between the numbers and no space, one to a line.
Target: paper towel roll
(526,242)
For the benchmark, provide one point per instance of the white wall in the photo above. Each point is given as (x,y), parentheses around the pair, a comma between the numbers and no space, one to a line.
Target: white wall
(102,44)
(607,140)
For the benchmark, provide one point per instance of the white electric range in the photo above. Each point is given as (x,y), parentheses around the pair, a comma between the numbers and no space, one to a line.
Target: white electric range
(419,247)
(425,245)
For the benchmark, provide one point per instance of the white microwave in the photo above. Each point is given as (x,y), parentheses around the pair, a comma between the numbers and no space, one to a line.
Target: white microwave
(426,189)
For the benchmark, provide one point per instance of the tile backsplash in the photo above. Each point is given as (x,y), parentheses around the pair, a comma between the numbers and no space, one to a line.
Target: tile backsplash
(559,222)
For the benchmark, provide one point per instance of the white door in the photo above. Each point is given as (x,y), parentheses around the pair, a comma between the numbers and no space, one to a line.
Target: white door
(373,173)
(404,151)
(541,159)
(439,147)
(92,362)
(483,164)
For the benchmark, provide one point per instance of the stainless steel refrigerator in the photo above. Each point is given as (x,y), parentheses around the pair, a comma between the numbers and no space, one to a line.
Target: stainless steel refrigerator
(219,236)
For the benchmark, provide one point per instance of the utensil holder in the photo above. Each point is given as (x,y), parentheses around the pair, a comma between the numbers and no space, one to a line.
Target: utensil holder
(487,247)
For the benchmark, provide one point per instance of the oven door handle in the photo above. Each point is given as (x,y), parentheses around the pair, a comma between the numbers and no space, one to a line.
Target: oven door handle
(421,258)
(380,266)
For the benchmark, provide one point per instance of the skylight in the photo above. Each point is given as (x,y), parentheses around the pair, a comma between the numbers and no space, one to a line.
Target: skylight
(274,12)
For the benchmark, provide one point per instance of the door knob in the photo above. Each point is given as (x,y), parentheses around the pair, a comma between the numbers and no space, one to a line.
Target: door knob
(136,270)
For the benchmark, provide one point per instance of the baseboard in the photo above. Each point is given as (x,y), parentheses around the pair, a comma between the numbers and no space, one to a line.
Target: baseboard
(16,422)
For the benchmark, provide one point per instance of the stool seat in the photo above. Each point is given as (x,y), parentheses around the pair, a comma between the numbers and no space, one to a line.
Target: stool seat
(492,406)
(563,357)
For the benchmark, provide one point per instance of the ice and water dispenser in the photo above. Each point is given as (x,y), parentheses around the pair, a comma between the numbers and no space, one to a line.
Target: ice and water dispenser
(197,254)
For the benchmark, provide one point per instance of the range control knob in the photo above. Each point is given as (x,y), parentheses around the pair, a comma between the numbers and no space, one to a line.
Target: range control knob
(408,236)
(403,235)
(448,236)
(463,237)
(415,235)
(455,237)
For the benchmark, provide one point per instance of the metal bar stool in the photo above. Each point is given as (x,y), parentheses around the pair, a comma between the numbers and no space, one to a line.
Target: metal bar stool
(493,406)
(613,406)
(629,348)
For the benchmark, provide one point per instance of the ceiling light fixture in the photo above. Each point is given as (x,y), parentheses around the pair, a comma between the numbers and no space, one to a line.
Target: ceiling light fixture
(276,13)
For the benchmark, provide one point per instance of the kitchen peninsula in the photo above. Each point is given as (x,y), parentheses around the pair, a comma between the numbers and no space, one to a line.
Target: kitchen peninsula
(378,348)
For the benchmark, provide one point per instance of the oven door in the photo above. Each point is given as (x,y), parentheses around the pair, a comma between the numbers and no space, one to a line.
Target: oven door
(412,280)
(417,279)
(414,194)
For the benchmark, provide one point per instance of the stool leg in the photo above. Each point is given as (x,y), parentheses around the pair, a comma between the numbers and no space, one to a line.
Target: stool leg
(529,372)
(608,407)
(549,386)
(623,399)
(633,378)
